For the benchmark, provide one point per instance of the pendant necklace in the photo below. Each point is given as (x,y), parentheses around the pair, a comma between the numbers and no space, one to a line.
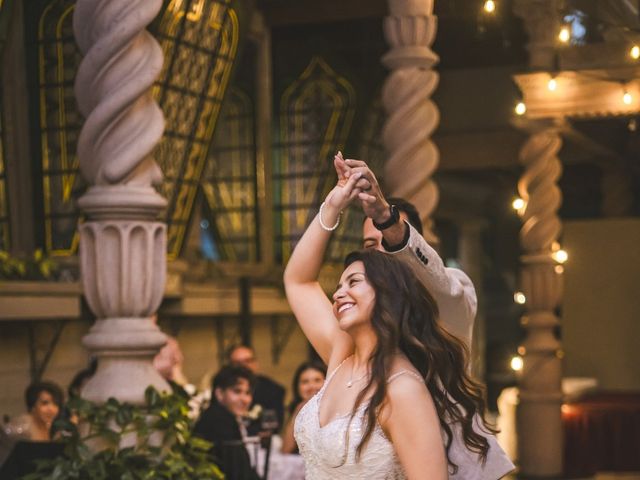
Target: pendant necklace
(352,381)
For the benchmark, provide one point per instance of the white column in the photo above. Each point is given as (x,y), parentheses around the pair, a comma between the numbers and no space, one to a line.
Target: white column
(410,29)
(122,245)
(539,422)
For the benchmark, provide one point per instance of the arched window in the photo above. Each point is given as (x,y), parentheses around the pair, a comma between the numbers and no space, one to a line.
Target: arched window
(229,182)
(316,113)
(200,41)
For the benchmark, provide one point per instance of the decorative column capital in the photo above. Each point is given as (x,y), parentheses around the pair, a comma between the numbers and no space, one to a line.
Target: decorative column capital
(542,22)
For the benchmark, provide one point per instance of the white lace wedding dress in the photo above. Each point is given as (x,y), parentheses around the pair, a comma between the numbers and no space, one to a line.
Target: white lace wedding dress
(329,451)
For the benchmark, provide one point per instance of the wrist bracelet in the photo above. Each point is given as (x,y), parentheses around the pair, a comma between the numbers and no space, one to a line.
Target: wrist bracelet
(324,227)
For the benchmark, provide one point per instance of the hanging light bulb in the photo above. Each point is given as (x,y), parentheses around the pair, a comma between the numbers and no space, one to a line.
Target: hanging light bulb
(518,204)
(634,52)
(519,298)
(489,6)
(516,363)
(564,35)
(552,84)
(521,108)
(627,99)
(560,256)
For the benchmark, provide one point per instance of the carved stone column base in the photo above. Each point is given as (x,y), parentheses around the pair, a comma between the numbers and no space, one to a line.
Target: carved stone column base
(125,348)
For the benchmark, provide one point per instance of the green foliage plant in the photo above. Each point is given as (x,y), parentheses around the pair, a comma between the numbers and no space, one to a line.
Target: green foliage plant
(121,441)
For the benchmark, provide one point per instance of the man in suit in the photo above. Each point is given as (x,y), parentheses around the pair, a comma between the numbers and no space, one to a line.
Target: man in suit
(267,393)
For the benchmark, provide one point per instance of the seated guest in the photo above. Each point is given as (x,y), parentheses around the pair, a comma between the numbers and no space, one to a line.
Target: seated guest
(267,393)
(222,422)
(307,381)
(43,401)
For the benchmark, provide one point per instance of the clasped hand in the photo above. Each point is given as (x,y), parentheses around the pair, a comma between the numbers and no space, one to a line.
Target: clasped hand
(356,180)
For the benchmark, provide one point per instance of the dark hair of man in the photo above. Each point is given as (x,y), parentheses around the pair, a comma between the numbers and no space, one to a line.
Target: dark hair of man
(303,367)
(33,391)
(234,347)
(404,317)
(413,217)
(229,376)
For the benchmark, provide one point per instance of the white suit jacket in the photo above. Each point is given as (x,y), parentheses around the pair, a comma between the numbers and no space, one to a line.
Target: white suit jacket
(450,287)
(455,295)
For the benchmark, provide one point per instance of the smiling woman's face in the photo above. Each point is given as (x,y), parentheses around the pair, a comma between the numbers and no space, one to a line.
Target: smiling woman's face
(354,298)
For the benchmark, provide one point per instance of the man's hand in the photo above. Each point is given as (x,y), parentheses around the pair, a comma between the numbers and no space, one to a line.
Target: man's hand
(371,197)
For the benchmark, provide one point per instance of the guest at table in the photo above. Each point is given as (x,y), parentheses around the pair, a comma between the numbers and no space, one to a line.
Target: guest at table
(222,422)
(307,381)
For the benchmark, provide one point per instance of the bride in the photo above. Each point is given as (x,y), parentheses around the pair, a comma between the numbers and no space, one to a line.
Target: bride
(398,386)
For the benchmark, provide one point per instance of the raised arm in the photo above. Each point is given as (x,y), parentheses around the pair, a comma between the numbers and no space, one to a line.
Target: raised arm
(310,305)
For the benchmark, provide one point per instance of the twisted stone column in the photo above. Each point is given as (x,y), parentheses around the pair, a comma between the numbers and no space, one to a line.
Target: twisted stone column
(539,416)
(410,29)
(122,245)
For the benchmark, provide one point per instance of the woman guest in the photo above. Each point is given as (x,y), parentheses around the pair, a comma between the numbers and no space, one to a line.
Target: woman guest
(43,401)
(398,382)
(307,381)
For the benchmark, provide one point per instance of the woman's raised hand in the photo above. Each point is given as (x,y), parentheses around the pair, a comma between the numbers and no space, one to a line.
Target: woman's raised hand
(345,190)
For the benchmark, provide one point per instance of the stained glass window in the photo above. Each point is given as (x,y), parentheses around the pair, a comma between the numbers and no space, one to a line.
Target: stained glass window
(60,122)
(229,181)
(200,40)
(316,113)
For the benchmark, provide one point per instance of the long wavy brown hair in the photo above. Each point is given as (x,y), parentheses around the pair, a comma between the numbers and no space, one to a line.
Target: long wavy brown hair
(404,318)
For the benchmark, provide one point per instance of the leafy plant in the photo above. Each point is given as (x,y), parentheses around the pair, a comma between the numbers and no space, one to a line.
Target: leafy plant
(122,441)
(36,267)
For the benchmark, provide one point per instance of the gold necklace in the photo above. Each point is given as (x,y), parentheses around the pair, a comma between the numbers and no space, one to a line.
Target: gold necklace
(352,381)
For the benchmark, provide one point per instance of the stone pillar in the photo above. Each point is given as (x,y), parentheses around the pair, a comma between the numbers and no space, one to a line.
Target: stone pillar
(122,245)
(471,255)
(410,29)
(542,20)
(539,422)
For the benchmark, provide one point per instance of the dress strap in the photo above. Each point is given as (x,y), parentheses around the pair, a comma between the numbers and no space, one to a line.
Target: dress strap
(402,372)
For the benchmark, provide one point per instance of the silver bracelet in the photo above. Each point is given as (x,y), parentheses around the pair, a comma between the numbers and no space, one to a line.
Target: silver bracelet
(324,227)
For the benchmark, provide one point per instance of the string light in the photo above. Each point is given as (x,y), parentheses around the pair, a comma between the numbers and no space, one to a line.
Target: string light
(560,256)
(521,108)
(516,363)
(635,52)
(518,204)
(559,269)
(627,99)
(489,6)
(552,84)
(565,34)
(519,298)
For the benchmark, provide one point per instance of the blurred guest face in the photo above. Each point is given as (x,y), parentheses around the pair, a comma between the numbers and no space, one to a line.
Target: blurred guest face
(246,357)
(45,409)
(236,399)
(310,383)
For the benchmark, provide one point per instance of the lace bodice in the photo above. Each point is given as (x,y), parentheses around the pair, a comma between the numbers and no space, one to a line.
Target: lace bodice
(329,451)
